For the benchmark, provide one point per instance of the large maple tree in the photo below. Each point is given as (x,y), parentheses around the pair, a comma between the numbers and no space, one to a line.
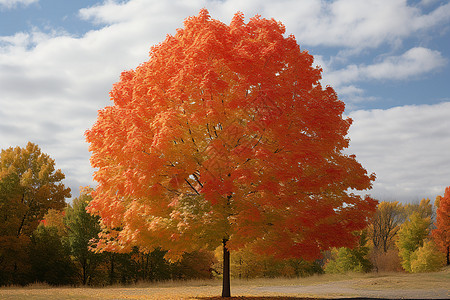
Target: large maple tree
(226,136)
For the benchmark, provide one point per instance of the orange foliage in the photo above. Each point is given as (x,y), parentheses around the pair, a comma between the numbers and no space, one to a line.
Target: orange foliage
(226,133)
(441,234)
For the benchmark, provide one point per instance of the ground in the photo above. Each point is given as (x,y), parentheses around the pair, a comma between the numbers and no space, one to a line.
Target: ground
(387,286)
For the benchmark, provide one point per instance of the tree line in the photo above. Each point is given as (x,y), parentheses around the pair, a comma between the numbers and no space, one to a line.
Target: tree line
(410,237)
(43,239)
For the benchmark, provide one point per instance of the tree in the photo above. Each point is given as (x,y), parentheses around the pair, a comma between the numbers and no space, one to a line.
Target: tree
(355,260)
(383,230)
(245,265)
(424,208)
(55,218)
(225,135)
(50,258)
(411,236)
(441,234)
(427,258)
(385,224)
(82,228)
(29,186)
(195,265)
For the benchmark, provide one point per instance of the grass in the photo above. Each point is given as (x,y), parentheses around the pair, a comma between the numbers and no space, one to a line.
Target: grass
(255,289)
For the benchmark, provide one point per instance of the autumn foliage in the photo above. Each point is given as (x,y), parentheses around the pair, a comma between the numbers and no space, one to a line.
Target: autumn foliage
(442,233)
(29,186)
(225,134)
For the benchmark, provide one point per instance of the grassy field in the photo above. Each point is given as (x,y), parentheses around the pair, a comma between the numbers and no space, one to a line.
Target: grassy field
(326,286)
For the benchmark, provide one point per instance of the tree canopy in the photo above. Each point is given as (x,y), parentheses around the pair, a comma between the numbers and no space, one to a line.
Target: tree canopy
(442,233)
(411,237)
(386,223)
(29,186)
(226,135)
(83,227)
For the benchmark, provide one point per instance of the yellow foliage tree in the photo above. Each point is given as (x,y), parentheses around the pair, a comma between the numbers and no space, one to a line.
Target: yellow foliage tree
(411,236)
(427,258)
(29,186)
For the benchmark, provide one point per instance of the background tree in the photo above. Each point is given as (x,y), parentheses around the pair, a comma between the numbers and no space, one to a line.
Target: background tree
(55,218)
(225,136)
(194,265)
(411,236)
(82,228)
(50,257)
(350,260)
(427,258)
(245,265)
(441,234)
(29,186)
(385,224)
(424,208)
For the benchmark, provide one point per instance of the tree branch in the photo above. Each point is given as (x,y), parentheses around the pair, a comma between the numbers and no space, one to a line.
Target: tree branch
(187,181)
(197,179)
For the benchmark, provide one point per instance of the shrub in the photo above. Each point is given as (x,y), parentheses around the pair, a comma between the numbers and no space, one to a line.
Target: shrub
(388,261)
(346,260)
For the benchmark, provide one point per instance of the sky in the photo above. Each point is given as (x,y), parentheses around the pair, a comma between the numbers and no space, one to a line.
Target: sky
(388,60)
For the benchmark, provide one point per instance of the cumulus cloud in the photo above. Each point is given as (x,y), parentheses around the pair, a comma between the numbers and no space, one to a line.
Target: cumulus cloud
(13,3)
(340,23)
(414,62)
(411,64)
(407,147)
(350,23)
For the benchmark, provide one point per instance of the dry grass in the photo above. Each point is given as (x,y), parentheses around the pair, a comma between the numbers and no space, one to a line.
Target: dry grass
(257,289)
(434,280)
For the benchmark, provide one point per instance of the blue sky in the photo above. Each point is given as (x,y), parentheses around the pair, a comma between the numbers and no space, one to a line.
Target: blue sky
(388,60)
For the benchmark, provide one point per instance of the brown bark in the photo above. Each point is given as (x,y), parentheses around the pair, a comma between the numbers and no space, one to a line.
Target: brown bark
(226,290)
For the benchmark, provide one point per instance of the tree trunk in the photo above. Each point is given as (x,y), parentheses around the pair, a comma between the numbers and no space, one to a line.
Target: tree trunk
(226,291)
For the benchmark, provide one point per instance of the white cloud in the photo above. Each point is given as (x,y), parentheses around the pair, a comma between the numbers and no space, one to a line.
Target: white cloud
(359,24)
(13,3)
(344,23)
(411,64)
(352,95)
(407,147)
